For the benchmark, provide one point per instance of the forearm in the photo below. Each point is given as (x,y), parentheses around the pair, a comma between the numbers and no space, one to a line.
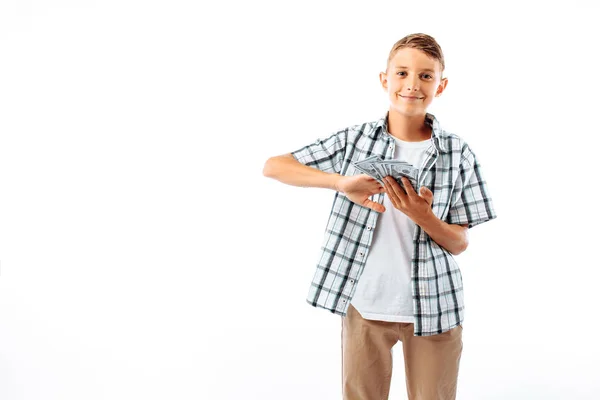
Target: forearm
(453,238)
(288,170)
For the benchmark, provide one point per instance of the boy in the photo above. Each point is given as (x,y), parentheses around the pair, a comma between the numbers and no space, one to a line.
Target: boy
(387,263)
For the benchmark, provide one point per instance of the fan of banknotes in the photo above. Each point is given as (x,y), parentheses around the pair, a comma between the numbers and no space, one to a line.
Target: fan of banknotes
(378,168)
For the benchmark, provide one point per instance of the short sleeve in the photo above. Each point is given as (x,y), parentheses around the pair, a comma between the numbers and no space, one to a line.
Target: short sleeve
(471,202)
(325,154)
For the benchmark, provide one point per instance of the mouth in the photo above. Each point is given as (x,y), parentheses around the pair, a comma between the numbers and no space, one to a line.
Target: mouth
(411,97)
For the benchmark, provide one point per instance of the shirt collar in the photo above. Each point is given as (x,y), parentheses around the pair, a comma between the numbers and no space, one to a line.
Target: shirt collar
(381,127)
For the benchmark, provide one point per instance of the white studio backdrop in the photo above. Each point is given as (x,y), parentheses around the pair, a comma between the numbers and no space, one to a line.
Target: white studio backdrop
(144,256)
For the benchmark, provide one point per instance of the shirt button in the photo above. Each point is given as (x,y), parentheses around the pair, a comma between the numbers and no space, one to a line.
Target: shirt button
(361,254)
(368,228)
(351,280)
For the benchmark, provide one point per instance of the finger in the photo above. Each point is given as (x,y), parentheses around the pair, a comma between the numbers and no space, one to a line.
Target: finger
(374,185)
(396,188)
(410,191)
(426,194)
(378,189)
(391,194)
(374,205)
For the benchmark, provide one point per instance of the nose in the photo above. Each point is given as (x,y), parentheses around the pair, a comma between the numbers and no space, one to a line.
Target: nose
(412,84)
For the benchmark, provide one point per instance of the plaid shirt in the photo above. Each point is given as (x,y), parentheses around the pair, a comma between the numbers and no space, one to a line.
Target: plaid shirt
(460,196)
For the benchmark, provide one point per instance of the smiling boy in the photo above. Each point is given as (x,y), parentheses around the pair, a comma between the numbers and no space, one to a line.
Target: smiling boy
(387,264)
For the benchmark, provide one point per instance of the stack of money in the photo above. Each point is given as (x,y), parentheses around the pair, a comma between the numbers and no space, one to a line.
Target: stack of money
(378,168)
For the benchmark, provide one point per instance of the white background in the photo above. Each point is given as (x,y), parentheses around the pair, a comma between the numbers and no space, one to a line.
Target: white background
(143,255)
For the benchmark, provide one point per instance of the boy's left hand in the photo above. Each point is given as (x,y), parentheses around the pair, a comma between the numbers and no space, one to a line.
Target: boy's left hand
(417,207)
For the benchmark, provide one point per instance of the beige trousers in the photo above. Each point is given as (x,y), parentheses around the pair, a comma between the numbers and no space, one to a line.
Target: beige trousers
(431,362)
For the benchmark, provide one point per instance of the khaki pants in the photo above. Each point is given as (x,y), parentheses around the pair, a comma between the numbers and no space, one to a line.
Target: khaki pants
(430,362)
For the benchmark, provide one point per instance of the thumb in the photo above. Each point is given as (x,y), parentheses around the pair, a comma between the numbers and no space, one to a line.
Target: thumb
(425,193)
(373,205)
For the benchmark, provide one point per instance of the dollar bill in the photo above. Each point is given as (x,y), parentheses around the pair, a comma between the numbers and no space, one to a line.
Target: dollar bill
(399,170)
(368,166)
(378,168)
(402,169)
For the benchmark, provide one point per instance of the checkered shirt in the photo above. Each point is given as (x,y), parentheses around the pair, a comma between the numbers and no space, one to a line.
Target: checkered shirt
(460,196)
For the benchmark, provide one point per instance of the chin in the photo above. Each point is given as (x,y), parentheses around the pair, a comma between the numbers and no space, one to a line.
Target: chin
(408,111)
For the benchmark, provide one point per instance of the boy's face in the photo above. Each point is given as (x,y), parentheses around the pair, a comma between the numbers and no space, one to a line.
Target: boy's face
(412,81)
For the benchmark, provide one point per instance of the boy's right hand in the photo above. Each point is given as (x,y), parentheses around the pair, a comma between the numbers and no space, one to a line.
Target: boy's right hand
(358,188)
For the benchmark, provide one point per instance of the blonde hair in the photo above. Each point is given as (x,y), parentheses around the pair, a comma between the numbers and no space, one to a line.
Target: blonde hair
(420,41)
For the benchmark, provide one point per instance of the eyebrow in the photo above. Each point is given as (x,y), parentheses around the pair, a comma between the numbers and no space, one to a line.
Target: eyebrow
(426,69)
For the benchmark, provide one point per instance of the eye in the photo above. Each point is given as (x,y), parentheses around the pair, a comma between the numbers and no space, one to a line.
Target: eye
(401,72)
(427,76)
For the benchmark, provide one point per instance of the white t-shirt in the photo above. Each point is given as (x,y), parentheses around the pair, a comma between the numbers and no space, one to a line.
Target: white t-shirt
(384,290)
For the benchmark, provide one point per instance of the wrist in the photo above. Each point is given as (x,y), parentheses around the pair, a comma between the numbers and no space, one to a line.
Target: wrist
(336,179)
(428,222)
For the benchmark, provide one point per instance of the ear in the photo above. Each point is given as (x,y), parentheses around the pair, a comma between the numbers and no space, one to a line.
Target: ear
(441,87)
(383,80)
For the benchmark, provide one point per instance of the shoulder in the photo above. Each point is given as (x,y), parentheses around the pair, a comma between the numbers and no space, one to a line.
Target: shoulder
(456,145)
(368,128)
(371,129)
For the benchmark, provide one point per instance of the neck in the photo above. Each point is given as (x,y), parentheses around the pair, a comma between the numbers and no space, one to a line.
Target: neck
(408,128)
